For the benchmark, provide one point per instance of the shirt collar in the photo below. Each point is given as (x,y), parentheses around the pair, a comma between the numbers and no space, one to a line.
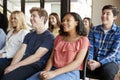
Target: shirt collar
(114,27)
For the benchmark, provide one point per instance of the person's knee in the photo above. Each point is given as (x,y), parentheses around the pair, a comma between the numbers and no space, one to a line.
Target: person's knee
(6,78)
(109,70)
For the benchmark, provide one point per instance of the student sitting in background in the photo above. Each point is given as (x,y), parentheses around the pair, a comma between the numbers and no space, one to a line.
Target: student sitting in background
(88,24)
(17,31)
(54,23)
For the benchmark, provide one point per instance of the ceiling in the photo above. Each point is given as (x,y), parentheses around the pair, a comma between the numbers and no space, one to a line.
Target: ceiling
(17,2)
(31,1)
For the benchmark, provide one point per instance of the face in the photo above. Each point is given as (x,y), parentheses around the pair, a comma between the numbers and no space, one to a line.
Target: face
(86,23)
(53,20)
(107,17)
(35,19)
(14,20)
(69,23)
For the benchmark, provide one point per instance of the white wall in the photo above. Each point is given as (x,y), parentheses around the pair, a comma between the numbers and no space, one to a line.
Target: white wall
(97,8)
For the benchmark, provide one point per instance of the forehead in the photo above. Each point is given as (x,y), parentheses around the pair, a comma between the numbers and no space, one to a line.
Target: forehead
(13,15)
(85,20)
(68,16)
(107,10)
(51,16)
(35,12)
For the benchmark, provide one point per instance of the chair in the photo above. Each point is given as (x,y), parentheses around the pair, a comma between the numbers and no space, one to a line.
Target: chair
(83,72)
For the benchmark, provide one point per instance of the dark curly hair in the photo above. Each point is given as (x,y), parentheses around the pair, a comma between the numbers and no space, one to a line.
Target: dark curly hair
(80,29)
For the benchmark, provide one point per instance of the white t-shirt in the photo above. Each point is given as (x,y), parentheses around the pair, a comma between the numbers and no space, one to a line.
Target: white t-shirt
(105,31)
(13,43)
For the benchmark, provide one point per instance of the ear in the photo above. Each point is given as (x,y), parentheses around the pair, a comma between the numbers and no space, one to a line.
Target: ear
(115,17)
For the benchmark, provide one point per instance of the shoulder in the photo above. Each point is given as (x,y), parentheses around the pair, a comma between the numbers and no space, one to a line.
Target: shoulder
(30,34)
(23,31)
(48,34)
(96,27)
(118,28)
(58,37)
(84,39)
(1,30)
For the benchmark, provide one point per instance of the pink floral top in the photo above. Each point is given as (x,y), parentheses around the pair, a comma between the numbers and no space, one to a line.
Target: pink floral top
(66,52)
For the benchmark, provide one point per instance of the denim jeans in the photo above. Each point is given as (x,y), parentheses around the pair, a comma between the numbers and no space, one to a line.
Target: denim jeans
(72,75)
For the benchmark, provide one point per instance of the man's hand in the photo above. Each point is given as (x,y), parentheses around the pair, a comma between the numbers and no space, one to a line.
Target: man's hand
(92,65)
(46,75)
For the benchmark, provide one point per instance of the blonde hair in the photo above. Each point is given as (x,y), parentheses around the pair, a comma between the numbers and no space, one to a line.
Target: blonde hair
(21,21)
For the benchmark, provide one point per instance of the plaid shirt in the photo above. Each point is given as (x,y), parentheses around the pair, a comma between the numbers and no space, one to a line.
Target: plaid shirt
(105,47)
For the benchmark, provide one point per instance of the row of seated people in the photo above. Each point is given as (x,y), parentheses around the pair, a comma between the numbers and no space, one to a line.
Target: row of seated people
(44,56)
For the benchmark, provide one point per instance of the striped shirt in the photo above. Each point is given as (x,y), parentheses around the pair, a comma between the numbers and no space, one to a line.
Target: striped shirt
(105,47)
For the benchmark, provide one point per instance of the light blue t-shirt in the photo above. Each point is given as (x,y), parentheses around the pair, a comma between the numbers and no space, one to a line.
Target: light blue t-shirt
(2,38)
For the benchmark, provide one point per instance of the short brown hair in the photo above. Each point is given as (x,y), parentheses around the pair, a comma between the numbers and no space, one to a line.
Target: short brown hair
(114,9)
(41,12)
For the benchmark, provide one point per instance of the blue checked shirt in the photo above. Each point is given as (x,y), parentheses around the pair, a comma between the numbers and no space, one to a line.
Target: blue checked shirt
(105,47)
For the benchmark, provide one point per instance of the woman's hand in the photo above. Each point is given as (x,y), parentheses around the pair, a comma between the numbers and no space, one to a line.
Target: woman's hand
(46,75)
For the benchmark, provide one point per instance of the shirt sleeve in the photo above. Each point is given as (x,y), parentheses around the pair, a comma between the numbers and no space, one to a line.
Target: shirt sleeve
(114,54)
(2,38)
(91,48)
(27,38)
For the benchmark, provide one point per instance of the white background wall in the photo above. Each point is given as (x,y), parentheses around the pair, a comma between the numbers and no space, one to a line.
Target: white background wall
(97,8)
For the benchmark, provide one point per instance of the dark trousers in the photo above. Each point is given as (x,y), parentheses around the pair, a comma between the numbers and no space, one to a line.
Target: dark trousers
(4,60)
(105,72)
(21,73)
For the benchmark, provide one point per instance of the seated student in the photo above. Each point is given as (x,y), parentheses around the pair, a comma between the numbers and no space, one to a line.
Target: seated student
(34,51)
(70,48)
(17,31)
(54,23)
(2,38)
(104,52)
(88,24)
